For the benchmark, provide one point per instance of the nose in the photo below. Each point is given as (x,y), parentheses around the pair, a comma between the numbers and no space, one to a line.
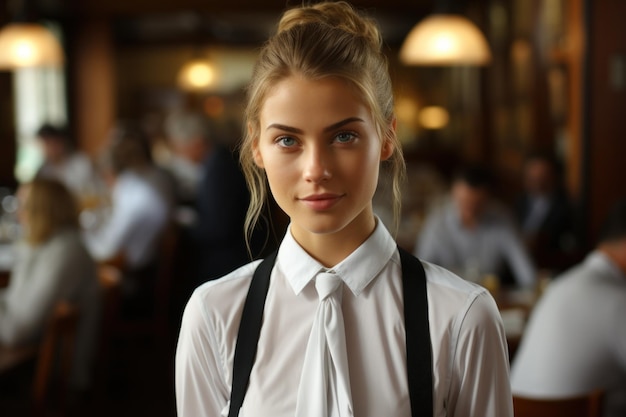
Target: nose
(317,165)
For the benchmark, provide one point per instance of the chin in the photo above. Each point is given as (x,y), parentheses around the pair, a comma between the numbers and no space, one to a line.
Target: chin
(322,224)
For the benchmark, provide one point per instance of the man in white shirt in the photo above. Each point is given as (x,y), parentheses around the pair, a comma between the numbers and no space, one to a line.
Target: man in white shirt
(473,236)
(464,328)
(138,215)
(575,341)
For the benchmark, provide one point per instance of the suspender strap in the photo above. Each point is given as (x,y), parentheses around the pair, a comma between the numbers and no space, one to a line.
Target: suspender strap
(418,347)
(249,331)
(416,324)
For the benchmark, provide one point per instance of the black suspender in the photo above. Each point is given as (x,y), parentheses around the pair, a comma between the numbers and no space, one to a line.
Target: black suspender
(416,325)
(418,347)
(249,330)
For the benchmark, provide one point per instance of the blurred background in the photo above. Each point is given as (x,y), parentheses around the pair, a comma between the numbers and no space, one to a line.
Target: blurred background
(553,80)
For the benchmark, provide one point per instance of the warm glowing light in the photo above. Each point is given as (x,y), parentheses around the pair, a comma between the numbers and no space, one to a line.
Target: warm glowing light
(28,45)
(445,39)
(24,50)
(434,117)
(406,110)
(196,75)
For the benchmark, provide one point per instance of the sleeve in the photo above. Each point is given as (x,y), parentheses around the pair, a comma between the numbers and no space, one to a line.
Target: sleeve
(32,293)
(108,241)
(201,389)
(480,385)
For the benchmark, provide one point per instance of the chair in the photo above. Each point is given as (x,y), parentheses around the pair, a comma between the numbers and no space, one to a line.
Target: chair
(155,324)
(59,339)
(589,405)
(55,349)
(109,278)
(120,335)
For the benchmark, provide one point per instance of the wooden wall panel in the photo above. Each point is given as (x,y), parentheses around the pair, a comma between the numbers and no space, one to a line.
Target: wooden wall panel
(607,111)
(93,84)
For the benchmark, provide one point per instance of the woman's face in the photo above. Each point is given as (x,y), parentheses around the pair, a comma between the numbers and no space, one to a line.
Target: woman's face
(321,152)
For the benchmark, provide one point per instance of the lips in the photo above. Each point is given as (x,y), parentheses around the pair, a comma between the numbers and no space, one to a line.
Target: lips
(321,202)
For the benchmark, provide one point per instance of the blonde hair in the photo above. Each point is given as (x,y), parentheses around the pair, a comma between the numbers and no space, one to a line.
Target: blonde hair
(329,39)
(48,207)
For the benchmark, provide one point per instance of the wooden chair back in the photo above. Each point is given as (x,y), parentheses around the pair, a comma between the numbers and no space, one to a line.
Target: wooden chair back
(57,347)
(589,405)
(53,359)
(156,324)
(110,279)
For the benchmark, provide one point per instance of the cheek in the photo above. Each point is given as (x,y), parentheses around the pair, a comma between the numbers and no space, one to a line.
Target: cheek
(279,172)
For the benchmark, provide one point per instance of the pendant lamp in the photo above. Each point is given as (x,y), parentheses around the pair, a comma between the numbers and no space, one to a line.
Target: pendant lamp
(445,39)
(26,43)
(197,75)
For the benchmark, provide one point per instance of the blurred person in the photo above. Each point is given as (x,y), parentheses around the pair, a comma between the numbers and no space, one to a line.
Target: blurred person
(188,137)
(575,339)
(219,195)
(545,212)
(473,235)
(52,265)
(139,213)
(62,161)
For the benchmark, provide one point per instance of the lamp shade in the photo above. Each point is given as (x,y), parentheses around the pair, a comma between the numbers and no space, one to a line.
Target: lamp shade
(445,39)
(28,45)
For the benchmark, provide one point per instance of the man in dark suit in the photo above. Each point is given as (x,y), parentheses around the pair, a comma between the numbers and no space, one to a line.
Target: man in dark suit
(546,214)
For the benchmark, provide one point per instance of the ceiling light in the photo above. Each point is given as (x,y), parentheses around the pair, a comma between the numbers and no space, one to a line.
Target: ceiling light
(434,117)
(197,75)
(445,39)
(28,45)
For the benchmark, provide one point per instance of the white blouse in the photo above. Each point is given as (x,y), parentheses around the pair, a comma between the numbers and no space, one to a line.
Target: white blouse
(470,360)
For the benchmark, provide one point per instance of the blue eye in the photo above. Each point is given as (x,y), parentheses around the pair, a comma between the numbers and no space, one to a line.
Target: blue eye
(286,141)
(345,137)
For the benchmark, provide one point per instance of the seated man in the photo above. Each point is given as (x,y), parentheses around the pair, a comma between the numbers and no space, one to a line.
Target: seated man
(472,235)
(139,215)
(575,340)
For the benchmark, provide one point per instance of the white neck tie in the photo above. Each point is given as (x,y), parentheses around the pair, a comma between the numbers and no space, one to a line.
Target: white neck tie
(325,382)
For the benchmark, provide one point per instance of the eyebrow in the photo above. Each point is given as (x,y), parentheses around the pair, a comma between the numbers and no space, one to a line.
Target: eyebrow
(326,129)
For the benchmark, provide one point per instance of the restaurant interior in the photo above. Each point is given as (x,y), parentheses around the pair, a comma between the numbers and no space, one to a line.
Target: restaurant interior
(550,77)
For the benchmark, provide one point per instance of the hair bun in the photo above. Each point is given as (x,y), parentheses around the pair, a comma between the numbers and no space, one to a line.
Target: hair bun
(340,15)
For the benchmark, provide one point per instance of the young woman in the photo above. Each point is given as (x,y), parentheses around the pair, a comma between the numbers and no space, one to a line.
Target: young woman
(51,265)
(319,122)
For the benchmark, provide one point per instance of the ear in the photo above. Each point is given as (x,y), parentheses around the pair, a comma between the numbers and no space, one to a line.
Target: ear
(256,153)
(388,145)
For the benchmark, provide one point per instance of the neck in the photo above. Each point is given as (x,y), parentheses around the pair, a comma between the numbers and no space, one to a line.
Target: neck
(331,248)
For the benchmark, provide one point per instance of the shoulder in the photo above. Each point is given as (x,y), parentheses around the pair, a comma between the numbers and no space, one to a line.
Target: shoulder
(457,302)
(67,241)
(220,301)
(69,245)
(447,284)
